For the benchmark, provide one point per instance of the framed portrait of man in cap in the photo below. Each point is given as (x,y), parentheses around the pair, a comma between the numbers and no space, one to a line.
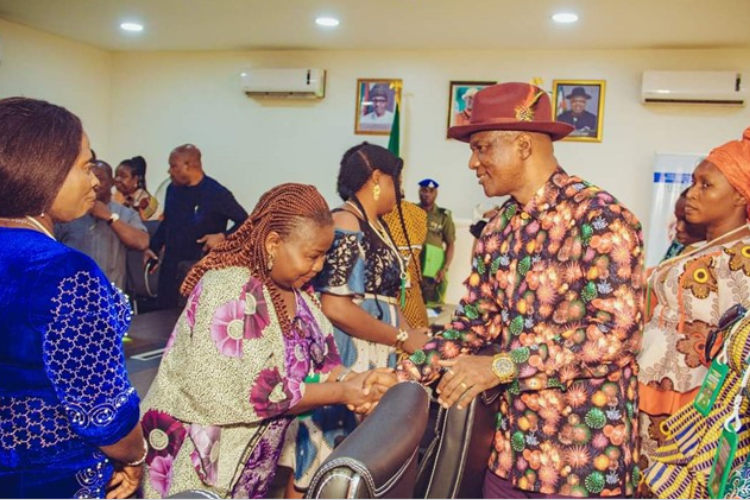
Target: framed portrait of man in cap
(580,103)
(461,97)
(376,105)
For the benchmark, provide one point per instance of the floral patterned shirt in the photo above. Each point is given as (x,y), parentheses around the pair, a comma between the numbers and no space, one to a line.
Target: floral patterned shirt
(557,284)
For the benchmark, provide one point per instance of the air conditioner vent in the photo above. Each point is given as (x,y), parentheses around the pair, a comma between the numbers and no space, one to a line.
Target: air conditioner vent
(284,83)
(693,87)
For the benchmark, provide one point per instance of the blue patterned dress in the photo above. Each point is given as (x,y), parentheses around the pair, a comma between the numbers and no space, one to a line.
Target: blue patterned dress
(64,391)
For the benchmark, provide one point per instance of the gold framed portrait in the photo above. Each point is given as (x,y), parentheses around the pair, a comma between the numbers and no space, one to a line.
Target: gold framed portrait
(376,105)
(580,103)
(461,98)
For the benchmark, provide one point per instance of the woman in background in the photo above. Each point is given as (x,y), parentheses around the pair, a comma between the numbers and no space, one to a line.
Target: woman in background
(686,233)
(68,413)
(361,287)
(250,350)
(407,223)
(693,291)
(130,182)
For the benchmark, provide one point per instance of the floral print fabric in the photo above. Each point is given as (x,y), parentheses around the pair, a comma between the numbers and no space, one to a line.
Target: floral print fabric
(557,284)
(239,320)
(691,291)
(216,413)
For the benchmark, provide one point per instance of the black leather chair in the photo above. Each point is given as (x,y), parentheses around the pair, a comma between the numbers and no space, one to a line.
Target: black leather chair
(378,459)
(455,462)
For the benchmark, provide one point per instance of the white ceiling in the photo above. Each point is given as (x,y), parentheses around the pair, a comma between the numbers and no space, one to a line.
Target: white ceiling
(389,24)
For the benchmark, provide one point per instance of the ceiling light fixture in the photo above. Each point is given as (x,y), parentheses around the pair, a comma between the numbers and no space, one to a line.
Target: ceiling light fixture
(328,22)
(131,26)
(565,17)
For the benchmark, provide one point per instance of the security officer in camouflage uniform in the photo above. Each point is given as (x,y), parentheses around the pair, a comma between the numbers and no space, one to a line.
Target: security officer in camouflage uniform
(441,233)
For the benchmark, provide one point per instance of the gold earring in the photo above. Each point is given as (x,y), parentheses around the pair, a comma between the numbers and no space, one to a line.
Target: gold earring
(269,265)
(376,192)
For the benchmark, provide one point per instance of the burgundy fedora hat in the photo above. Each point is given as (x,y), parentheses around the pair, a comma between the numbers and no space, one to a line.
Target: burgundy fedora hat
(511,106)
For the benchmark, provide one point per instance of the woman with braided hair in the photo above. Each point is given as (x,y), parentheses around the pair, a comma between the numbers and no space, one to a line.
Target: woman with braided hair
(130,183)
(362,285)
(251,349)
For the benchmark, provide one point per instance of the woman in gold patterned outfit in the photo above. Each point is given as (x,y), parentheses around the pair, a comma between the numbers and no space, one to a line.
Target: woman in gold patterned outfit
(693,290)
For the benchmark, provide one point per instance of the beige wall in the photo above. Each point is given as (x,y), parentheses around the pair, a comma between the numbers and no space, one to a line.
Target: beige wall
(71,74)
(147,103)
(164,99)
(160,100)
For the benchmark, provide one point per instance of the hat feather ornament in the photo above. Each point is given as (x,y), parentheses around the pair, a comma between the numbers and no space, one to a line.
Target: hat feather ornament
(525,111)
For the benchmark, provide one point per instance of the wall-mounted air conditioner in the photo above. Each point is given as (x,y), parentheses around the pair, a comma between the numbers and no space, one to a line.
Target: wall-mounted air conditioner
(284,83)
(693,87)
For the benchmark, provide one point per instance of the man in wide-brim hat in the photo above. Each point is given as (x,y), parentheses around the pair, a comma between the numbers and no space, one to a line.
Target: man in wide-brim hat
(556,285)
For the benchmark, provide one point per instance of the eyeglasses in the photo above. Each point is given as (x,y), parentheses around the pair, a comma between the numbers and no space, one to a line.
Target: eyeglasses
(726,322)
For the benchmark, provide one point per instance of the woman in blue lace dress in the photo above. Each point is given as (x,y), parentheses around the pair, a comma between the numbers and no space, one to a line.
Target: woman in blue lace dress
(68,414)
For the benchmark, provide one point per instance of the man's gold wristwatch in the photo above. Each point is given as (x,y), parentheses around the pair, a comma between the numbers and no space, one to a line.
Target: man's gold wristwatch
(504,368)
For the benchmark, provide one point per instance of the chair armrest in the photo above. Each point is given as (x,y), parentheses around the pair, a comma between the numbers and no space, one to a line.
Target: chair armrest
(379,458)
(455,462)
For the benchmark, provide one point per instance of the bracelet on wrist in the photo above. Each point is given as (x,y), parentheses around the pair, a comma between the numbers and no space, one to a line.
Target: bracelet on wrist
(342,376)
(141,460)
(401,337)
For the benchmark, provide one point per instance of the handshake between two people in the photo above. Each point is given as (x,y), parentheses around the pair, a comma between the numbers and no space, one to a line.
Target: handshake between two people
(362,391)
(464,378)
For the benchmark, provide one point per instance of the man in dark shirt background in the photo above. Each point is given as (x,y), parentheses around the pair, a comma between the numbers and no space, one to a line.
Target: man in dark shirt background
(196,211)
(585,122)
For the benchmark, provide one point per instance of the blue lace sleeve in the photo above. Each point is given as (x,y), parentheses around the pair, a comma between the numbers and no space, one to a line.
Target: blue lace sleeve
(83,352)
(344,269)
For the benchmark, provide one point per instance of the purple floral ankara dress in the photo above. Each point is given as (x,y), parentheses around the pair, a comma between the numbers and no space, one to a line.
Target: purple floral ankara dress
(215,416)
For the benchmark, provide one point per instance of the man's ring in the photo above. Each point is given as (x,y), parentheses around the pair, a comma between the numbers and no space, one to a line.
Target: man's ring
(463,384)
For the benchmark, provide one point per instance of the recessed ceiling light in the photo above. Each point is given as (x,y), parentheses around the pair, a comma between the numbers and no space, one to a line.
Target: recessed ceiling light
(131,26)
(565,17)
(328,22)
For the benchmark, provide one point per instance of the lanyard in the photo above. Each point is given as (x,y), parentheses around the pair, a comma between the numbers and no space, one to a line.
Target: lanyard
(714,380)
(392,246)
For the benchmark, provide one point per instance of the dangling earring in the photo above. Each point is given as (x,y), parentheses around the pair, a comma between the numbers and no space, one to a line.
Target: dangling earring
(376,192)
(269,265)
